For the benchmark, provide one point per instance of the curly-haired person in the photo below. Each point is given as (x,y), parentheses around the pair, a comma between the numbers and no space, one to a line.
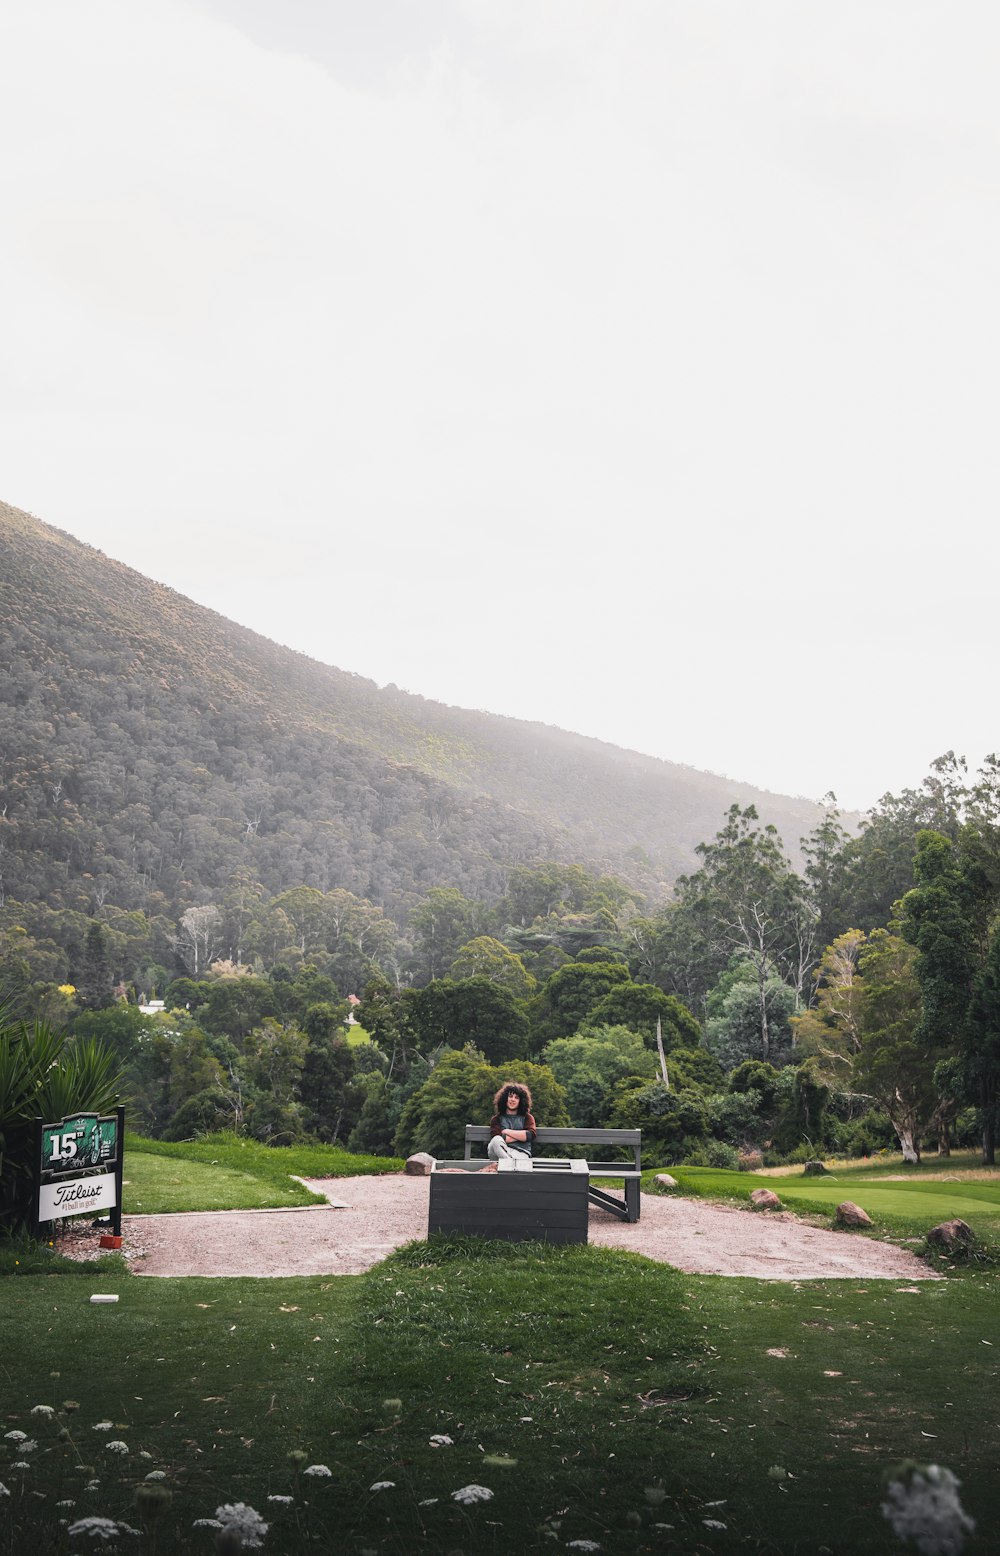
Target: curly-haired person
(512,1127)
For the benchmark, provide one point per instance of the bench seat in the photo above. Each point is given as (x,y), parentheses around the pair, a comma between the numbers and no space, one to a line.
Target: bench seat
(627,1208)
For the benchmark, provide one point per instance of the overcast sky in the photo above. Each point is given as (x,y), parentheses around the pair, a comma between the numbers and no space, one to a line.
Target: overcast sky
(627,366)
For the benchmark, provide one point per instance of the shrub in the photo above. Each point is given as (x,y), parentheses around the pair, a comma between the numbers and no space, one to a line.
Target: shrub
(750,1161)
(43,1074)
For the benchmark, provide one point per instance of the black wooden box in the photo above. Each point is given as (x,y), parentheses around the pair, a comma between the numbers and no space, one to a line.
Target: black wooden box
(514,1207)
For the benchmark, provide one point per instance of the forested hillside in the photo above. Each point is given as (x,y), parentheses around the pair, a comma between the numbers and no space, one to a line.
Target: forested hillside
(150,750)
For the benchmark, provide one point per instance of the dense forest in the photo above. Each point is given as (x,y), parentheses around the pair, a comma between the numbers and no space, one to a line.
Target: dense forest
(150,750)
(228,866)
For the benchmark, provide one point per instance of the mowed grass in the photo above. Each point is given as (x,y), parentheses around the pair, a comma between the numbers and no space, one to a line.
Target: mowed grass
(597,1395)
(228,1172)
(904,1208)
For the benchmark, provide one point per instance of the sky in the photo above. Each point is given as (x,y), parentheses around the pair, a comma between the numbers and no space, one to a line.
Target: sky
(627,365)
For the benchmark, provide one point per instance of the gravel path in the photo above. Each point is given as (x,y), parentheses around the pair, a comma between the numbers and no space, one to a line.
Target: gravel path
(370,1216)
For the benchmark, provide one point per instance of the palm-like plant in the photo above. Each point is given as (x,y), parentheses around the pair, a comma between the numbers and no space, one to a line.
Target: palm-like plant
(43,1074)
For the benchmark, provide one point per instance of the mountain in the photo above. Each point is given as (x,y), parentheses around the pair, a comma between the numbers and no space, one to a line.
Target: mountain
(149,748)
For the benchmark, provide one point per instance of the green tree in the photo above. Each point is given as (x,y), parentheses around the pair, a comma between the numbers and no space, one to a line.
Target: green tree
(575,991)
(474,1010)
(94,980)
(486,957)
(894,1068)
(639,1006)
(441,925)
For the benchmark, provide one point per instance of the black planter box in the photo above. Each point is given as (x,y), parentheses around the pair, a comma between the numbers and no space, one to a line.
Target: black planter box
(514,1207)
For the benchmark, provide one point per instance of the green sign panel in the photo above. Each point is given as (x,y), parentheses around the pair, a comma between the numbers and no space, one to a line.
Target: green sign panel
(84,1141)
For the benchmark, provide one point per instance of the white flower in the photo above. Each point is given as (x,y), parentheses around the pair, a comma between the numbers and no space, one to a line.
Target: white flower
(3,1490)
(42,1410)
(144,1455)
(29,1445)
(70,1503)
(469,1494)
(102,1426)
(712,1523)
(381,1485)
(442,1440)
(21,1464)
(206,1523)
(92,1485)
(117,1446)
(96,1528)
(923,1506)
(428,1502)
(16,1436)
(247,1523)
(321,1470)
(276,1498)
(157,1475)
(583,1545)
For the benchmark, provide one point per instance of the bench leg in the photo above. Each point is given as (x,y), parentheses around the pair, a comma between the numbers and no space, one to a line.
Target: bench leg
(632,1198)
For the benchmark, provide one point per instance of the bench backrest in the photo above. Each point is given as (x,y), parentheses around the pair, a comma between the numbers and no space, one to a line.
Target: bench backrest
(631,1139)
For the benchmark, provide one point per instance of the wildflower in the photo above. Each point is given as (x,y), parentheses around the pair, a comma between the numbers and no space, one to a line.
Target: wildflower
(244,1521)
(583,1545)
(713,1523)
(428,1502)
(442,1440)
(276,1498)
(206,1523)
(654,1495)
(5,1493)
(28,1446)
(320,1470)
(16,1436)
(157,1475)
(469,1494)
(42,1410)
(117,1446)
(144,1455)
(97,1528)
(69,1503)
(923,1506)
(92,1485)
(381,1485)
(393,1406)
(69,1405)
(21,1464)
(102,1426)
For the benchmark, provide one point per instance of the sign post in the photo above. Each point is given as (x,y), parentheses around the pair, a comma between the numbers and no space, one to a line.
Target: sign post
(78,1168)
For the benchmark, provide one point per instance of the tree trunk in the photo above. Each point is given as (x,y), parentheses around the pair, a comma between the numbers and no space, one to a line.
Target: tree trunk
(907,1143)
(944,1140)
(663,1059)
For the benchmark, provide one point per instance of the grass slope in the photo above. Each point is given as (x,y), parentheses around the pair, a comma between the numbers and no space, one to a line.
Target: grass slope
(229,1172)
(598,1396)
(904,1208)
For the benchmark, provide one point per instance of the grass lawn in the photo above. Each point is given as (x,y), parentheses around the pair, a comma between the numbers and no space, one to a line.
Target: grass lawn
(907,1206)
(598,1396)
(227,1172)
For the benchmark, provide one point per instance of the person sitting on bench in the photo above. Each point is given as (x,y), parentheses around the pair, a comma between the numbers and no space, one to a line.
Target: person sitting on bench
(512,1127)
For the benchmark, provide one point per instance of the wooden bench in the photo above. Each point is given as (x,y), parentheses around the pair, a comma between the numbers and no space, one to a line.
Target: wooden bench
(626,1209)
(514,1207)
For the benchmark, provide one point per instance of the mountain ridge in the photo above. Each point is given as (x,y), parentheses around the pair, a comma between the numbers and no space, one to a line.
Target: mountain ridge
(108,667)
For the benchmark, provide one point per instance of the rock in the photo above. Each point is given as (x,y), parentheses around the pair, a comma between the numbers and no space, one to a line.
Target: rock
(666,1181)
(764,1199)
(951,1236)
(420,1165)
(815,1170)
(850,1214)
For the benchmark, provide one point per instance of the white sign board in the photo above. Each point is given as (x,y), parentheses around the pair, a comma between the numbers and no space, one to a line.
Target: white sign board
(73,1196)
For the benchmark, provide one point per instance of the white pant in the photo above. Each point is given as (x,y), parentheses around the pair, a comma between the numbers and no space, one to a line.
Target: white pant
(498,1149)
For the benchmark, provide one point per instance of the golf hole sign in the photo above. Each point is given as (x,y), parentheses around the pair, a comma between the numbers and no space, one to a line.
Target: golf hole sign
(80,1167)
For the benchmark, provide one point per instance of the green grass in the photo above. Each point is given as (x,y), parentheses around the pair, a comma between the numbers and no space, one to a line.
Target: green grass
(597,1395)
(228,1172)
(907,1208)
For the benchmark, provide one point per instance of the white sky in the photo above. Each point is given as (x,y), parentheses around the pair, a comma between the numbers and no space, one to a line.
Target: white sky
(628,366)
